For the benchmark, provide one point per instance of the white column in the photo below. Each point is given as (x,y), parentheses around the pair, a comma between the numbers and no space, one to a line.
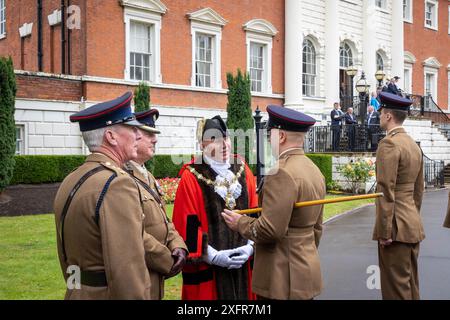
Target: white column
(331,54)
(293,55)
(397,48)
(369,42)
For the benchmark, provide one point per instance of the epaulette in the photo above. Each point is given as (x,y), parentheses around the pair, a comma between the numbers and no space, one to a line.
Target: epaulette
(114,168)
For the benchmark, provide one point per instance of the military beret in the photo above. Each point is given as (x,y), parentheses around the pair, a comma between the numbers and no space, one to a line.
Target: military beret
(288,119)
(148,119)
(107,113)
(393,101)
(215,125)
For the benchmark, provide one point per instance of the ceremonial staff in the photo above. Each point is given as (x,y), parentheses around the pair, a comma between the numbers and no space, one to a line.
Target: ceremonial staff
(318,202)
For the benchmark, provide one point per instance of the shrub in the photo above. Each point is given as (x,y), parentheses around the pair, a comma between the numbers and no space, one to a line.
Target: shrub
(325,164)
(357,172)
(44,169)
(7,123)
(142,97)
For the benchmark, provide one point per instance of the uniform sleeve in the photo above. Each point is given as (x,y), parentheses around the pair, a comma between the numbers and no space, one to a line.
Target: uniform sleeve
(388,157)
(318,228)
(187,212)
(251,187)
(174,239)
(121,225)
(447,219)
(419,187)
(277,206)
(158,257)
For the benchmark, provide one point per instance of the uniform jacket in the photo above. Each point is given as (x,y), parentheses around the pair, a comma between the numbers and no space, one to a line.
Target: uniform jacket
(287,262)
(158,225)
(115,242)
(447,219)
(400,178)
(192,209)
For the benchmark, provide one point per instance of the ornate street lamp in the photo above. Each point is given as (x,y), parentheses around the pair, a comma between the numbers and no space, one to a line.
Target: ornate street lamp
(351,71)
(259,144)
(379,75)
(362,86)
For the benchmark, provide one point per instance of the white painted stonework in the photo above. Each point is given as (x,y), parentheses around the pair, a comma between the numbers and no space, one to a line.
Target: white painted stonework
(366,28)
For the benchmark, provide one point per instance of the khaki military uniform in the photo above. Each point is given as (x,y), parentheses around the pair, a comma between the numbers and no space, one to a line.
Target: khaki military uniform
(400,178)
(447,219)
(287,262)
(158,226)
(102,233)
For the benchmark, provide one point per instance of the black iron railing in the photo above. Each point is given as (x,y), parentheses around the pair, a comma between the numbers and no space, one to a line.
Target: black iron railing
(433,172)
(347,138)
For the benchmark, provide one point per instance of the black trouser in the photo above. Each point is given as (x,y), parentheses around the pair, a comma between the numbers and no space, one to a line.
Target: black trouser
(336,130)
(351,136)
(372,137)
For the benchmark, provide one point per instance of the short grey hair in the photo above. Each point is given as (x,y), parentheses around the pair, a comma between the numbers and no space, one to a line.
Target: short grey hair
(94,138)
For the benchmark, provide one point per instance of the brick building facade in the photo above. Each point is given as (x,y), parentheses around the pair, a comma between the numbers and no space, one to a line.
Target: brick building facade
(427,49)
(296,52)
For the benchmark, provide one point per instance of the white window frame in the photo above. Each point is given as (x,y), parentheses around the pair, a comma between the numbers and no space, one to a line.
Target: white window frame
(216,33)
(407,81)
(155,20)
(266,41)
(316,67)
(2,21)
(434,86)
(449,21)
(409,10)
(24,144)
(448,91)
(435,21)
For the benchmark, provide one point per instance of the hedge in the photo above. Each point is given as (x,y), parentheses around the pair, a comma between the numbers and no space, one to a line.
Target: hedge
(325,164)
(49,169)
(44,169)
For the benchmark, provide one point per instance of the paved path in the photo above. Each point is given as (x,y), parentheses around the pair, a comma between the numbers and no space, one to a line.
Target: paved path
(346,250)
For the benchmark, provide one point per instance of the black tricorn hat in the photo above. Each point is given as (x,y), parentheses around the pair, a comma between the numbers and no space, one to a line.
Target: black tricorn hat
(212,128)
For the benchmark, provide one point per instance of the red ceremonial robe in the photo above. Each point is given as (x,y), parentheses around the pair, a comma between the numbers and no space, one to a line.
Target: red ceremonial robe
(191,221)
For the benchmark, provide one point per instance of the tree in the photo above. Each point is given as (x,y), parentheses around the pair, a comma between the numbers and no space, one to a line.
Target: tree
(7,123)
(239,111)
(142,97)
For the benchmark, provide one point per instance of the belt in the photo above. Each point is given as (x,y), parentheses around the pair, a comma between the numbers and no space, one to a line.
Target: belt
(94,278)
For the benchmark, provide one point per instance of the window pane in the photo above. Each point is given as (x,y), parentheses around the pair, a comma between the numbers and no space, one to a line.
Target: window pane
(138,73)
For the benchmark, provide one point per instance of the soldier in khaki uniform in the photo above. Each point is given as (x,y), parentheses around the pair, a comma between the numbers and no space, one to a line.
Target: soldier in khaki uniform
(398,227)
(447,219)
(156,221)
(98,211)
(287,264)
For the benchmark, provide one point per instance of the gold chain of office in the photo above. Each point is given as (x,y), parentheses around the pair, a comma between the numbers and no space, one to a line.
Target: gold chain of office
(230,201)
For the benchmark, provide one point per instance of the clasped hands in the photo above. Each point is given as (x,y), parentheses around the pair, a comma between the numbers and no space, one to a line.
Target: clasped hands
(231,258)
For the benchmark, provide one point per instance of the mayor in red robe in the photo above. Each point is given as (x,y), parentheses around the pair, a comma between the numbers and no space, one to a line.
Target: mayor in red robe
(219,264)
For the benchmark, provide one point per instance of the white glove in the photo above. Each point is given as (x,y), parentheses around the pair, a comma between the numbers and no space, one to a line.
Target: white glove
(243,253)
(222,258)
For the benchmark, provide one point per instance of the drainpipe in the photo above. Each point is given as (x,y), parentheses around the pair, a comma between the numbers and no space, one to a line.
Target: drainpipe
(63,37)
(40,54)
(69,32)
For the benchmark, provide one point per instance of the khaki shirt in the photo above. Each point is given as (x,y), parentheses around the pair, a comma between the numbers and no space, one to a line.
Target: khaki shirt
(287,264)
(164,238)
(116,245)
(400,178)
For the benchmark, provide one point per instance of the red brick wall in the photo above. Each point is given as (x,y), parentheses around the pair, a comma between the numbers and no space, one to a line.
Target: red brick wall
(98,49)
(25,11)
(34,87)
(425,43)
